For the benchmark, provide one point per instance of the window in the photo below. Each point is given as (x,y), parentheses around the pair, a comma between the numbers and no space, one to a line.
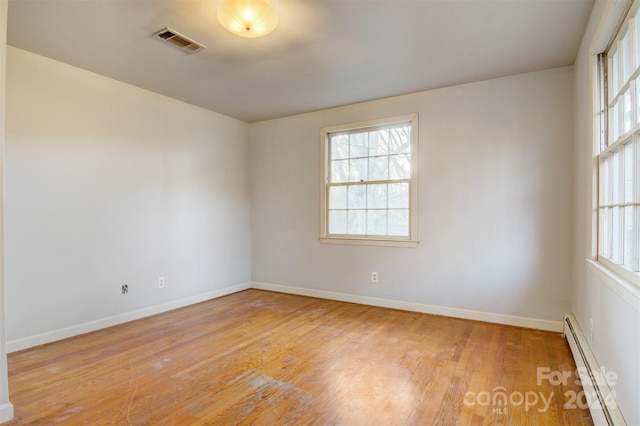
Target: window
(369,178)
(619,152)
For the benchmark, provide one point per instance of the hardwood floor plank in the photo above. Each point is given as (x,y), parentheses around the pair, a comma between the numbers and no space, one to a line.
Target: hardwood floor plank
(258,357)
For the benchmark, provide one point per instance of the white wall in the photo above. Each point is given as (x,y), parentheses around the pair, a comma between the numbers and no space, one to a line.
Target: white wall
(108,184)
(494,200)
(6,409)
(616,342)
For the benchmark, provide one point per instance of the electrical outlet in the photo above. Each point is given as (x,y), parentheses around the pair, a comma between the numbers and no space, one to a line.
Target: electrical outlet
(161,282)
(591,329)
(374,277)
(125,288)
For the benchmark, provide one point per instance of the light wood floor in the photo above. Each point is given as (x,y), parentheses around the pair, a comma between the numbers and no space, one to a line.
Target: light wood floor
(258,357)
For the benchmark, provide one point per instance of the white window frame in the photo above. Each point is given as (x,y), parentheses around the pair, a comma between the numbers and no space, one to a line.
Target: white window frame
(392,241)
(619,140)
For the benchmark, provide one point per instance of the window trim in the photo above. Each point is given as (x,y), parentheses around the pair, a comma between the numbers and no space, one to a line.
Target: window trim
(384,241)
(603,145)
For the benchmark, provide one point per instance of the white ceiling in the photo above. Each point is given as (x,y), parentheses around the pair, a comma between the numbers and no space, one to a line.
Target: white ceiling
(323,54)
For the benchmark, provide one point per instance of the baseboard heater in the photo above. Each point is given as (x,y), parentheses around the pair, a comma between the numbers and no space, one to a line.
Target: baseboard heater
(601,401)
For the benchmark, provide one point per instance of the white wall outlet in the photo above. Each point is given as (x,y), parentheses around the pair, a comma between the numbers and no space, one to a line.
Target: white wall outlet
(591,329)
(374,277)
(161,281)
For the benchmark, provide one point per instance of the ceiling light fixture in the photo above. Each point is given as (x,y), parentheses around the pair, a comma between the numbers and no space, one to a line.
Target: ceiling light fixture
(247,18)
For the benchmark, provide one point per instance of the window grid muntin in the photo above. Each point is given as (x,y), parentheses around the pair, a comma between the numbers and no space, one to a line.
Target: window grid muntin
(406,153)
(619,205)
(406,150)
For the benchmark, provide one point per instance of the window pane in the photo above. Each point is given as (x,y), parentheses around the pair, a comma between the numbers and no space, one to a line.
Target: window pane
(602,232)
(356,222)
(377,222)
(398,222)
(627,256)
(615,236)
(379,142)
(626,111)
(636,268)
(357,197)
(636,41)
(379,168)
(625,53)
(358,170)
(337,221)
(637,85)
(398,195)
(399,166)
(613,73)
(604,181)
(377,196)
(637,170)
(339,171)
(628,172)
(606,232)
(339,147)
(614,123)
(358,145)
(338,197)
(400,142)
(615,177)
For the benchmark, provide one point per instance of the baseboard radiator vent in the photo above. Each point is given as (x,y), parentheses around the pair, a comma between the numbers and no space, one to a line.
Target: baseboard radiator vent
(599,397)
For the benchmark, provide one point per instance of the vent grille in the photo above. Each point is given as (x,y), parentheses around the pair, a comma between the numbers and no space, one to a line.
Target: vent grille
(179,40)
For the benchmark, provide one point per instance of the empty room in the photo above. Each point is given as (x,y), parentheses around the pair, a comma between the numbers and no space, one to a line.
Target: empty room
(342,212)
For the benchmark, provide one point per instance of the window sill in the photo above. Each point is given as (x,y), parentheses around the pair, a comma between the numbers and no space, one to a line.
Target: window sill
(369,242)
(622,286)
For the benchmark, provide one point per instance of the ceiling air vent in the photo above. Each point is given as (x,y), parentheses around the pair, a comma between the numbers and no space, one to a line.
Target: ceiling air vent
(177,39)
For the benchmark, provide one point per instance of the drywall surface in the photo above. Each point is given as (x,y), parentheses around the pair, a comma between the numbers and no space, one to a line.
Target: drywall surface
(616,319)
(108,184)
(6,409)
(494,207)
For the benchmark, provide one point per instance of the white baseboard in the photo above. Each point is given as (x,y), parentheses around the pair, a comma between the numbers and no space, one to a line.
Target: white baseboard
(6,412)
(536,323)
(63,333)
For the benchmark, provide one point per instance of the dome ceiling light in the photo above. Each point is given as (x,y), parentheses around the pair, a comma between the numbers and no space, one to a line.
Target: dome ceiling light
(247,18)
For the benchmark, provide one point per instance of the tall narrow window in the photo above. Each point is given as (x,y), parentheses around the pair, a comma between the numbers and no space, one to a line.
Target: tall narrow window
(619,152)
(369,182)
